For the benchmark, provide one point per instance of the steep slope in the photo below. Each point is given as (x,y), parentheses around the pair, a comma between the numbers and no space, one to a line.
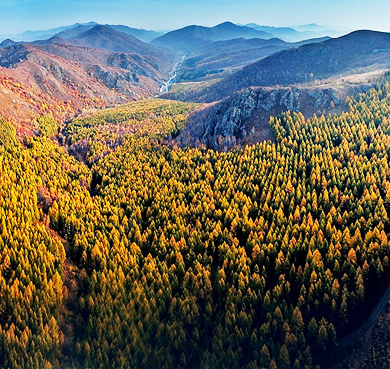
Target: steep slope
(68,32)
(130,48)
(191,38)
(214,58)
(104,37)
(43,83)
(74,32)
(62,79)
(116,70)
(342,56)
(12,55)
(243,119)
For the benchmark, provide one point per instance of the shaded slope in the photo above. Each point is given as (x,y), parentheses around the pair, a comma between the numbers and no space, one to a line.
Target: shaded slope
(191,38)
(186,39)
(243,119)
(68,32)
(104,46)
(74,32)
(344,55)
(7,43)
(103,37)
(213,58)
(372,351)
(371,321)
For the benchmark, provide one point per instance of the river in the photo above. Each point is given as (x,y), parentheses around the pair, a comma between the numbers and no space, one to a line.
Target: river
(165,87)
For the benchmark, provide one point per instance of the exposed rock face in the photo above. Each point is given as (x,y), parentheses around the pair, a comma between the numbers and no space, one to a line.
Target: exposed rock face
(243,118)
(234,116)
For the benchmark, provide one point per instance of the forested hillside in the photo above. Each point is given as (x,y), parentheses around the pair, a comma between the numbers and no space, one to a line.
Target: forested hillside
(355,53)
(218,57)
(261,257)
(33,176)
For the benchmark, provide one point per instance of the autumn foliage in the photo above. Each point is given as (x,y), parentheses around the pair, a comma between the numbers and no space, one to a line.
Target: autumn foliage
(195,258)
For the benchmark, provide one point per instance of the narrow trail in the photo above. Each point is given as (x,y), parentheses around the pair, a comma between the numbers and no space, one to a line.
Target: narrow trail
(368,325)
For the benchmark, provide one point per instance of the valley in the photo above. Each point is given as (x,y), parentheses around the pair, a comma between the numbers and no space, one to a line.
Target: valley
(62,77)
(205,197)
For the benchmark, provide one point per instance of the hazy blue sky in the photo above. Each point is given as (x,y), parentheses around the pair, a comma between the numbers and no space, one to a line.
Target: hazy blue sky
(20,15)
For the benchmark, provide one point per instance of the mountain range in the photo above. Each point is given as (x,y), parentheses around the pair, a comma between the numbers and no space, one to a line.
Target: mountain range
(191,38)
(78,28)
(96,68)
(291,34)
(65,69)
(312,78)
(213,60)
(356,52)
(243,223)
(107,38)
(90,65)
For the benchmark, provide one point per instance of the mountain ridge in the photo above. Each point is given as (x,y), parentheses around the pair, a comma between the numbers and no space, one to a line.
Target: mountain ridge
(214,58)
(29,36)
(190,38)
(77,28)
(291,34)
(316,61)
(62,77)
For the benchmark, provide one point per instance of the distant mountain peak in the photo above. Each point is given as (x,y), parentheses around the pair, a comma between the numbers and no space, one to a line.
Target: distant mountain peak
(99,28)
(102,30)
(193,37)
(227,23)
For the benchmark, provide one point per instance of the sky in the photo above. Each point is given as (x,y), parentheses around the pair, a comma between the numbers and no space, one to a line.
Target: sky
(21,15)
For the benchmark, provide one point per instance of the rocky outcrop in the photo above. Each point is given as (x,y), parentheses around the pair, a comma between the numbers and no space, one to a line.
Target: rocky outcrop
(243,118)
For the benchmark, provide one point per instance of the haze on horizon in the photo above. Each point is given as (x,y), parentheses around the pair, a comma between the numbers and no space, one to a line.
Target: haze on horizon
(21,15)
